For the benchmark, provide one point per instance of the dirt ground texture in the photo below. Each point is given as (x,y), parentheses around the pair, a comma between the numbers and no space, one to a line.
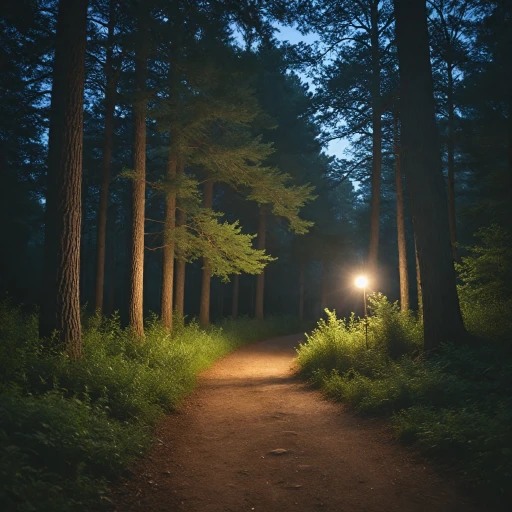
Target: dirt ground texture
(216,453)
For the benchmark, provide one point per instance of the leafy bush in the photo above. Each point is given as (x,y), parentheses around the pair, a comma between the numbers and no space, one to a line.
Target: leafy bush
(69,426)
(485,291)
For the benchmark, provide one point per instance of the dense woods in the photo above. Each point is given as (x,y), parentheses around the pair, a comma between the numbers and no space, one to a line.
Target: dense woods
(171,165)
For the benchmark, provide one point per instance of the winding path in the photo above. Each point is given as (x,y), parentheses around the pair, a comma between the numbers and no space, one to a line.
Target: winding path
(215,454)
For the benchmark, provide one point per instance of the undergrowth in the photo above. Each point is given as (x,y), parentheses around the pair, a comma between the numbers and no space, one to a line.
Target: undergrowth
(68,427)
(456,404)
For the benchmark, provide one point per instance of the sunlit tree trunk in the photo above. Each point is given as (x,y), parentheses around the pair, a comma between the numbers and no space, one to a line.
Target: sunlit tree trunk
(169,244)
(60,309)
(421,158)
(260,278)
(373,253)
(236,288)
(400,223)
(204,306)
(180,264)
(135,308)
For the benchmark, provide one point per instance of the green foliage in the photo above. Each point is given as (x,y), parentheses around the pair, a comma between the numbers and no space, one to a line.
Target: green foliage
(454,404)
(229,251)
(486,289)
(70,426)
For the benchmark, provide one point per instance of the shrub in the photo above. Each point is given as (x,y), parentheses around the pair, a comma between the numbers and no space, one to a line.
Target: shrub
(455,404)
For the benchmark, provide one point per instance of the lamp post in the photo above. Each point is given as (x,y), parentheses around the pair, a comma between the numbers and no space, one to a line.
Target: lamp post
(362,282)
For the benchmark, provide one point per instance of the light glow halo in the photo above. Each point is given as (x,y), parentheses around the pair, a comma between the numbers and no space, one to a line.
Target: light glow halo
(361,282)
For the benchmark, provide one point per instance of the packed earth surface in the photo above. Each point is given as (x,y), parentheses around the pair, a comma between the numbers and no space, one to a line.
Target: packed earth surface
(253,437)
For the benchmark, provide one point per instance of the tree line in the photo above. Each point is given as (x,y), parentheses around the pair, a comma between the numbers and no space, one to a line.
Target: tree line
(180,132)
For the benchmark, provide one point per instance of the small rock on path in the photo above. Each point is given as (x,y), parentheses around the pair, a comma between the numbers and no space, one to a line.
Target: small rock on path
(219,452)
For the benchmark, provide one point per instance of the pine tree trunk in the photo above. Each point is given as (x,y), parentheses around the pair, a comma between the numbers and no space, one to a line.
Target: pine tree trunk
(181,264)
(451,164)
(418,283)
(236,288)
(260,278)
(373,252)
(301,292)
(135,309)
(400,224)
(204,306)
(110,103)
(60,309)
(169,244)
(421,159)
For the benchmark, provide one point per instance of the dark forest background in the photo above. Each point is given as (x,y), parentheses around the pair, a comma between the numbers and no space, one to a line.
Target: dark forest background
(470,46)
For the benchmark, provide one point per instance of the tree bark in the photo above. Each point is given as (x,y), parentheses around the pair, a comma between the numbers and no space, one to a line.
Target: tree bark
(301,292)
(181,264)
(236,288)
(421,158)
(373,252)
(400,223)
(418,283)
(110,103)
(169,244)
(60,310)
(451,163)
(135,309)
(204,306)
(260,278)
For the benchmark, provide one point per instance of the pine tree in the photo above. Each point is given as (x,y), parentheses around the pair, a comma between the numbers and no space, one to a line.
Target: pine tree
(135,311)
(60,311)
(442,319)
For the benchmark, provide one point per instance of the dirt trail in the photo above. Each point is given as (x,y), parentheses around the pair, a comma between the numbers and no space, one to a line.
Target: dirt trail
(214,455)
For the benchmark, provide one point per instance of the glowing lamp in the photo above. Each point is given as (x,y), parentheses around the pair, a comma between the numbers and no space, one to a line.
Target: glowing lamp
(361,282)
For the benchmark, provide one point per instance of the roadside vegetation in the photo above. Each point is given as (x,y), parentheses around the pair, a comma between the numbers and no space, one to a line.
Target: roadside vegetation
(70,426)
(454,403)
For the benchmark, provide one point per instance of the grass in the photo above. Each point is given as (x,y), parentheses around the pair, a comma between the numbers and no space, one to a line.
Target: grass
(456,404)
(69,427)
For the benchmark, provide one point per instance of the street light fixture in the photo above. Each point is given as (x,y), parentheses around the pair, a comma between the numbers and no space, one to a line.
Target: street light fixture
(362,282)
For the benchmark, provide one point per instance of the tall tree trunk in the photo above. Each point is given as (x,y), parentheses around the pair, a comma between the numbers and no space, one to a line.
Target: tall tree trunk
(204,306)
(418,283)
(421,158)
(260,278)
(181,264)
(60,310)
(110,103)
(373,252)
(301,292)
(451,164)
(135,309)
(236,288)
(169,244)
(400,223)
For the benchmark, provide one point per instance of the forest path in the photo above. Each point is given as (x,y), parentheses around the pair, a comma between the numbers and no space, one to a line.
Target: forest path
(214,454)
